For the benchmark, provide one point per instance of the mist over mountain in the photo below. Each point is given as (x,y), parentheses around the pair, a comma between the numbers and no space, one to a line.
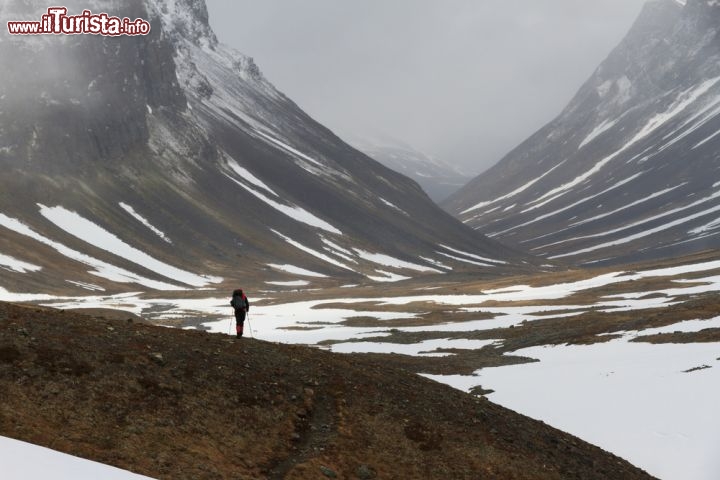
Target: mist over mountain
(437,178)
(629,169)
(169,161)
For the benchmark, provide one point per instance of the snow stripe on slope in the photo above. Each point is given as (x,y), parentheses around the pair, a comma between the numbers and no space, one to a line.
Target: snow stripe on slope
(513,193)
(599,130)
(93,234)
(555,212)
(144,221)
(684,100)
(388,261)
(471,255)
(102,269)
(630,205)
(246,175)
(464,260)
(640,222)
(312,252)
(289,149)
(293,211)
(11,263)
(296,270)
(641,234)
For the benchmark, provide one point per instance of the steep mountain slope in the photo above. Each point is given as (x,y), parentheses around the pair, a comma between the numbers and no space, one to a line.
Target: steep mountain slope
(177,404)
(168,161)
(437,178)
(630,168)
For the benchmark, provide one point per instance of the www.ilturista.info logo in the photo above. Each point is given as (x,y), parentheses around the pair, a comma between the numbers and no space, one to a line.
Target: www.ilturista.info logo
(58,22)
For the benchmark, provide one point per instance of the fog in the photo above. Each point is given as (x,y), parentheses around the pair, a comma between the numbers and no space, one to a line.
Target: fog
(463,80)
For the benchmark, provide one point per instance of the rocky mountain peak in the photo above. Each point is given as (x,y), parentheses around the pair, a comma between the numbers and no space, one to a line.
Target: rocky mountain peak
(186,19)
(703,15)
(177,131)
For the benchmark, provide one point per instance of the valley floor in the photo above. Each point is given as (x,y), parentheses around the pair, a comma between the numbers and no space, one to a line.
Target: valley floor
(626,359)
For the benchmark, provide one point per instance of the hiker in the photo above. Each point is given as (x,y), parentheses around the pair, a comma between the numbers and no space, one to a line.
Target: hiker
(241,305)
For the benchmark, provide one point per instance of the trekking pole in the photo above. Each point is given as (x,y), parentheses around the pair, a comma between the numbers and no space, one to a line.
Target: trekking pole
(250,326)
(230,327)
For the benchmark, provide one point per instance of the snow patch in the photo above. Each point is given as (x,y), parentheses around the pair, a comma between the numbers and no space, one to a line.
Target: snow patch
(25,461)
(245,174)
(513,193)
(87,286)
(644,233)
(464,260)
(388,261)
(294,283)
(312,252)
(388,277)
(144,221)
(336,249)
(289,149)
(471,255)
(703,142)
(687,326)
(97,236)
(683,100)
(415,349)
(102,269)
(14,265)
(293,211)
(296,270)
(599,130)
(393,206)
(630,205)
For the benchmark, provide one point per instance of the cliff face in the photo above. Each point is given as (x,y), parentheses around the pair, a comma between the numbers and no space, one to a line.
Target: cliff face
(629,168)
(68,102)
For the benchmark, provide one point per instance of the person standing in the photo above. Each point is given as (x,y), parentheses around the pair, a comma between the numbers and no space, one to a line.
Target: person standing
(241,305)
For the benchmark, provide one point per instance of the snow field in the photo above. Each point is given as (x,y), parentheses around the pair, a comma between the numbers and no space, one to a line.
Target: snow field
(24,461)
(634,399)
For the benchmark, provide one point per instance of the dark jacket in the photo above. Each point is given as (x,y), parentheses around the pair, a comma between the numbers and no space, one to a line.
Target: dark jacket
(240,301)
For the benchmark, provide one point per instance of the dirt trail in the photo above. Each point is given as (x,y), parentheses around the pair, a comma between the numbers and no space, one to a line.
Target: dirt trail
(315,430)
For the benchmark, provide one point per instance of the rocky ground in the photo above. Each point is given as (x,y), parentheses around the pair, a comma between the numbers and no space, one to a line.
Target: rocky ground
(176,404)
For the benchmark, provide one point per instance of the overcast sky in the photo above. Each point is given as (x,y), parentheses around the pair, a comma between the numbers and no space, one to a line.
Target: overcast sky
(462,80)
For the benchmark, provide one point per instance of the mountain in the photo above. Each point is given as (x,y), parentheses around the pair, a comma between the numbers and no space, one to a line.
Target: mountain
(436,177)
(630,168)
(177,404)
(168,161)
